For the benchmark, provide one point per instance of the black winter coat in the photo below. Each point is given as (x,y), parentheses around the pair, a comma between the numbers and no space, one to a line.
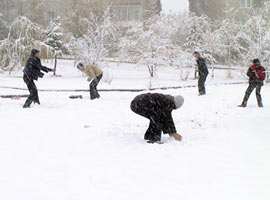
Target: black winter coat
(203,70)
(158,108)
(33,68)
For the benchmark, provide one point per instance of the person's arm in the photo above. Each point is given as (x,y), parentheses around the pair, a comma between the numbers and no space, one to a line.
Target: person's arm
(250,73)
(46,69)
(90,73)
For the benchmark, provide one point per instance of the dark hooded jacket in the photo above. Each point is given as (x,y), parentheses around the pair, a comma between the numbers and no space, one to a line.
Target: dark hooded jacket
(203,70)
(158,108)
(33,68)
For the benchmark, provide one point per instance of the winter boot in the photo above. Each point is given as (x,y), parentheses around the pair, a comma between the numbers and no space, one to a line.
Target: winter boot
(242,106)
(27,104)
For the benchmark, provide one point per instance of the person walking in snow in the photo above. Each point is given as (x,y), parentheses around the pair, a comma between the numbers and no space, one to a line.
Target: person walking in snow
(94,76)
(203,72)
(31,72)
(256,74)
(158,109)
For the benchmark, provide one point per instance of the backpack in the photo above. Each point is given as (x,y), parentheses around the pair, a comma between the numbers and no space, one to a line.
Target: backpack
(260,73)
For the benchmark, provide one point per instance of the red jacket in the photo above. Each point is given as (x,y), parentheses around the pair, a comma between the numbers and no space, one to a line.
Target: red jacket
(256,72)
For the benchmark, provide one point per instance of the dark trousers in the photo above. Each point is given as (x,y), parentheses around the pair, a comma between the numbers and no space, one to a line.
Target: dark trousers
(33,97)
(201,84)
(249,90)
(93,87)
(154,131)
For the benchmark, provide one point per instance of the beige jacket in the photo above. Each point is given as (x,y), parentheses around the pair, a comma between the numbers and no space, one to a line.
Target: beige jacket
(92,71)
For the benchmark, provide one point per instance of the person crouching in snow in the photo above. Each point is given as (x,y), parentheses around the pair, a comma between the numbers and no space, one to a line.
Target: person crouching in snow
(256,74)
(31,72)
(158,109)
(94,76)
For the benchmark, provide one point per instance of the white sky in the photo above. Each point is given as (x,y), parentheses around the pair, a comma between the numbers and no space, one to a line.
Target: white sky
(174,5)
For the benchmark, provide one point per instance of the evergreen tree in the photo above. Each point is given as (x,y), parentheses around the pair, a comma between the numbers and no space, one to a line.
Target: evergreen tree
(55,39)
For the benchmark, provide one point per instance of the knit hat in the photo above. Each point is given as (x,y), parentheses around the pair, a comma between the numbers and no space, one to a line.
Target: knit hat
(179,101)
(80,65)
(256,61)
(34,51)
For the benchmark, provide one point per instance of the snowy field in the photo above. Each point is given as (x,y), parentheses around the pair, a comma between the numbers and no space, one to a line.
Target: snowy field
(124,76)
(80,149)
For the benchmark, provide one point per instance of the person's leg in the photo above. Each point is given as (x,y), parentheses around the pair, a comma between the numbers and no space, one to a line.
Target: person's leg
(249,90)
(98,78)
(35,93)
(92,86)
(204,90)
(258,95)
(153,132)
(201,86)
(32,90)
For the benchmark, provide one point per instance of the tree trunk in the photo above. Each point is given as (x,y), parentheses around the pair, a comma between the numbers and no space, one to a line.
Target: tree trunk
(151,70)
(55,65)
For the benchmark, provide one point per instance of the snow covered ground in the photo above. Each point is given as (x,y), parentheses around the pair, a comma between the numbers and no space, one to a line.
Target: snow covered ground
(80,149)
(125,76)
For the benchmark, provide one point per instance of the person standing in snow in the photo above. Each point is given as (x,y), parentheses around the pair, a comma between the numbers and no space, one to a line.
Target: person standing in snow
(94,76)
(203,72)
(158,109)
(256,74)
(31,72)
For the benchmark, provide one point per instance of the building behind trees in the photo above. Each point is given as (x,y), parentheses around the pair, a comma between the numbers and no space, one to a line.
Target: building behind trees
(216,9)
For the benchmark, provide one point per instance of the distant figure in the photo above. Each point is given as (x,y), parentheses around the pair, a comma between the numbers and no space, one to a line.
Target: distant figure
(32,71)
(203,72)
(256,74)
(94,76)
(158,109)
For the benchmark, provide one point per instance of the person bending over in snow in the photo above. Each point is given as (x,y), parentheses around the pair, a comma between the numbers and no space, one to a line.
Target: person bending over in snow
(203,72)
(94,76)
(31,72)
(256,74)
(158,109)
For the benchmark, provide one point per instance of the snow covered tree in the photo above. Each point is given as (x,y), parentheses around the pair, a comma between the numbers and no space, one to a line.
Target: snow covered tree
(254,40)
(55,39)
(151,47)
(23,36)
(98,37)
(35,11)
(200,30)
(153,7)
(74,21)
(3,27)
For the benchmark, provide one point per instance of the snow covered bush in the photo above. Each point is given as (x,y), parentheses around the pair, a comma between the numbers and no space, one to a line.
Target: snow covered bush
(23,36)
